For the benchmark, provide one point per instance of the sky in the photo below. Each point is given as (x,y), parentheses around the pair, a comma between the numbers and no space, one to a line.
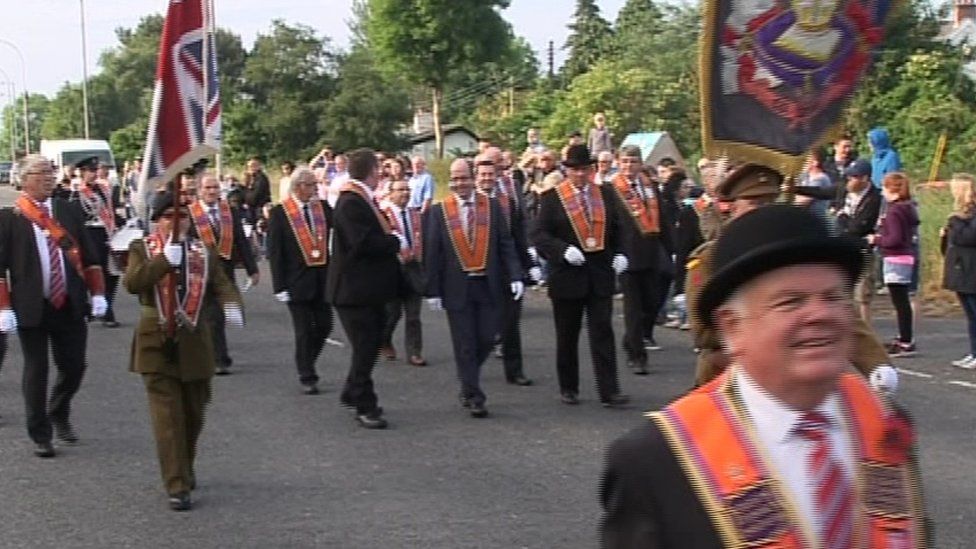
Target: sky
(47,32)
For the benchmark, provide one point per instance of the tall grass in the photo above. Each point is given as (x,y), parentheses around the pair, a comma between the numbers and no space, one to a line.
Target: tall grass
(934,206)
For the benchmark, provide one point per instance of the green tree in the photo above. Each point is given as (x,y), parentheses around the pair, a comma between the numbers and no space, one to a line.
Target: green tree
(63,119)
(590,39)
(13,116)
(426,41)
(368,109)
(637,23)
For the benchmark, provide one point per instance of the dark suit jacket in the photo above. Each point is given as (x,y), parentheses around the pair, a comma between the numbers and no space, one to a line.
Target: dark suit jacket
(644,253)
(365,269)
(288,268)
(19,255)
(865,217)
(647,500)
(241,252)
(553,233)
(446,280)
(258,194)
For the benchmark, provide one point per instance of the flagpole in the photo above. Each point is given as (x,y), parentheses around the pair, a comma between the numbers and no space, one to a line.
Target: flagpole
(211,26)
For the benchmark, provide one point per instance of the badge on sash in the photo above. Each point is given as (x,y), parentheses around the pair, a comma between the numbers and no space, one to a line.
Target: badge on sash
(316,254)
(590,243)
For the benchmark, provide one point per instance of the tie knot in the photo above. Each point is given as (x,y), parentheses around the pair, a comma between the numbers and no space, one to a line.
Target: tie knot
(812,425)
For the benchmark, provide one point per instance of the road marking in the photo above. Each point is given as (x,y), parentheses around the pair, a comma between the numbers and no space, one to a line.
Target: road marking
(968,384)
(908,372)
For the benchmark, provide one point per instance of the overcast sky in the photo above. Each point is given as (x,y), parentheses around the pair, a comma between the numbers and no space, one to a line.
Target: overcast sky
(48,31)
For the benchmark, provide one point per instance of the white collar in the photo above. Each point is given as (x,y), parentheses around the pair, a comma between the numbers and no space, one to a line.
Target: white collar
(363,186)
(771,415)
(207,207)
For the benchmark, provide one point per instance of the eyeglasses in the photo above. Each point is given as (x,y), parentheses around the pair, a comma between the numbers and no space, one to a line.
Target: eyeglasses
(403,190)
(459,179)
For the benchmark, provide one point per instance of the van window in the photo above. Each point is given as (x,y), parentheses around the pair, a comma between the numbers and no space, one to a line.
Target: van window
(69,158)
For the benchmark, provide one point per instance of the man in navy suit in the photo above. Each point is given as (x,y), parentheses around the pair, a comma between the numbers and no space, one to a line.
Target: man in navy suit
(472,269)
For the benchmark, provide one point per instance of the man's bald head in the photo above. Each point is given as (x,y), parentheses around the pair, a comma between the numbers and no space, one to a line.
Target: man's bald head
(462,183)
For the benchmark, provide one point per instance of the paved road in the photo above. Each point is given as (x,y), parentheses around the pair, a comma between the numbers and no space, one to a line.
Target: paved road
(281,469)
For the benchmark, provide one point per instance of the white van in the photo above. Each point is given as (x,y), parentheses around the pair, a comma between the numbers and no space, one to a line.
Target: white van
(66,152)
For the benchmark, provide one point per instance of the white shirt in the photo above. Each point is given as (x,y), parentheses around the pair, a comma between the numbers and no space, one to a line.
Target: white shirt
(853,200)
(463,209)
(42,253)
(786,451)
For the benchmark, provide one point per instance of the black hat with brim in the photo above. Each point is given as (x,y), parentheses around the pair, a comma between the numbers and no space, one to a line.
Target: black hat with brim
(578,156)
(90,163)
(161,202)
(770,237)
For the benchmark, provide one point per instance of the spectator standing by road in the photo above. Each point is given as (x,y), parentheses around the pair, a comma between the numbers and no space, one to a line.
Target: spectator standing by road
(959,248)
(600,138)
(884,158)
(421,186)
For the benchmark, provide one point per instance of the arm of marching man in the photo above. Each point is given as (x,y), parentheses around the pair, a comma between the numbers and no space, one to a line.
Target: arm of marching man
(94,276)
(506,244)
(241,244)
(520,237)
(626,494)
(543,234)
(6,216)
(142,272)
(362,235)
(433,251)
(277,233)
(223,288)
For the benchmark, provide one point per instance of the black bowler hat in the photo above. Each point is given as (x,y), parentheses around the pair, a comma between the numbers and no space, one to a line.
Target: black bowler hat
(578,156)
(89,163)
(767,238)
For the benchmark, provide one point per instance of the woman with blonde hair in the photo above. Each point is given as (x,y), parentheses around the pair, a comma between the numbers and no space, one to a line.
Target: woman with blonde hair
(895,240)
(959,249)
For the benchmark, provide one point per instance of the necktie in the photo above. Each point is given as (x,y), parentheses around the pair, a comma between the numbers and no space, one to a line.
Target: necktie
(833,495)
(308,220)
(58,290)
(639,191)
(406,227)
(585,200)
(215,221)
(469,206)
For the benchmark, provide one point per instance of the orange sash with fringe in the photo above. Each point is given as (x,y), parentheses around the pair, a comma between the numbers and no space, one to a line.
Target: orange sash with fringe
(314,248)
(202,220)
(354,187)
(709,435)
(188,310)
(590,234)
(473,256)
(644,212)
(103,202)
(416,252)
(53,230)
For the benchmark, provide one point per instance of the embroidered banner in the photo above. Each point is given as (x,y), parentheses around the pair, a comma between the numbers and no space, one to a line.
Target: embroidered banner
(776,76)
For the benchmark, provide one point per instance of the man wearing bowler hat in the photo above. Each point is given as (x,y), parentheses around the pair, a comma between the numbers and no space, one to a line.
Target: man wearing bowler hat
(578,232)
(789,447)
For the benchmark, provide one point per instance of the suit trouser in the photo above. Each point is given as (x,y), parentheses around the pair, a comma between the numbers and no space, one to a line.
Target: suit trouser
(67,332)
(312,323)
(473,330)
(412,329)
(511,338)
(640,298)
(660,287)
(218,328)
(99,237)
(568,315)
(3,348)
(177,411)
(364,327)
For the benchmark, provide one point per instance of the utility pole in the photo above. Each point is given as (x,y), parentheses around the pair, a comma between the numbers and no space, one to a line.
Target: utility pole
(511,95)
(84,70)
(552,60)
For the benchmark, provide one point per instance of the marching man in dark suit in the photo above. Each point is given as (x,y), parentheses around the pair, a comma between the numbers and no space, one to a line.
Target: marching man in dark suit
(407,223)
(472,269)
(95,198)
(648,247)
(53,267)
(364,277)
(578,232)
(219,226)
(298,253)
(790,446)
(172,346)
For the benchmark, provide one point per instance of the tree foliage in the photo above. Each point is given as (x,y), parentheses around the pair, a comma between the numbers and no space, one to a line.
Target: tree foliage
(590,39)
(13,115)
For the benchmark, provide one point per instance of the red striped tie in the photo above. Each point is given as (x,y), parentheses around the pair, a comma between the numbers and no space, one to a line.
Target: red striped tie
(58,291)
(833,491)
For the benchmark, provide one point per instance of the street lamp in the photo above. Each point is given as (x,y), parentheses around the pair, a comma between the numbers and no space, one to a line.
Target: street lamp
(23,74)
(84,69)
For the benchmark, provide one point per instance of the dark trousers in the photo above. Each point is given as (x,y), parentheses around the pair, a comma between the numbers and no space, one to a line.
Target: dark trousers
(177,411)
(412,330)
(312,324)
(640,299)
(67,333)
(473,330)
(903,311)
(510,337)
(568,314)
(660,285)
(364,327)
(111,285)
(968,302)
(218,331)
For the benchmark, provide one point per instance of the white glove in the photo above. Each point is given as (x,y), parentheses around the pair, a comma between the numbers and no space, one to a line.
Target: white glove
(620,263)
(174,254)
(517,290)
(99,306)
(535,273)
(884,379)
(533,254)
(434,303)
(574,256)
(283,297)
(233,315)
(8,321)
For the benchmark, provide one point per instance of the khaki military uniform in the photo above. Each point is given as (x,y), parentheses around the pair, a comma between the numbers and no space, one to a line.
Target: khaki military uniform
(177,384)
(868,351)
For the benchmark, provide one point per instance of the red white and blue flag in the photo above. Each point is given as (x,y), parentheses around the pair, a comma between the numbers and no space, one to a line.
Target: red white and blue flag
(185,122)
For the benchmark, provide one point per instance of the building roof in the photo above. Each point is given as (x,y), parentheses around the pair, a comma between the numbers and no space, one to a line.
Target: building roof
(446,128)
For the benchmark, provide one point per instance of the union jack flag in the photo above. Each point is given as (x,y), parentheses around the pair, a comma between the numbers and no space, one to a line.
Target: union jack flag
(185,122)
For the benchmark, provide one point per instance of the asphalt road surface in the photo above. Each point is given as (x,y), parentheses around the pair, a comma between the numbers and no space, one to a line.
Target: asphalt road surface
(277,468)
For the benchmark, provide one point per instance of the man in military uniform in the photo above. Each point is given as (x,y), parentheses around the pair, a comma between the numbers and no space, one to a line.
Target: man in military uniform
(95,199)
(748,187)
(172,347)
(219,226)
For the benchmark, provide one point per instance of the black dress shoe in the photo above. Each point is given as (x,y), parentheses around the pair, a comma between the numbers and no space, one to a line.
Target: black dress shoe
(465,401)
(310,389)
(110,323)
(569,398)
(639,367)
(371,420)
(617,399)
(478,410)
(64,432)
(180,502)
(44,450)
(520,380)
(223,370)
